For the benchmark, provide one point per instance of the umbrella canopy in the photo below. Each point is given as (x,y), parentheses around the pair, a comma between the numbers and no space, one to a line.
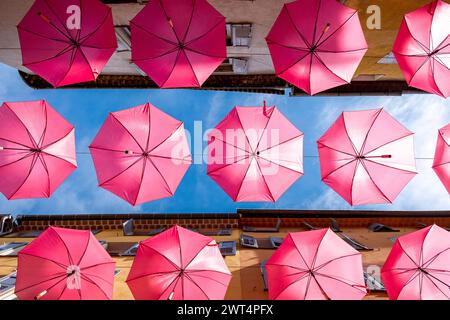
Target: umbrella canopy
(417,267)
(141,154)
(367,157)
(179,264)
(422,48)
(65,264)
(178,43)
(316,44)
(315,265)
(67,41)
(441,163)
(37,149)
(255,154)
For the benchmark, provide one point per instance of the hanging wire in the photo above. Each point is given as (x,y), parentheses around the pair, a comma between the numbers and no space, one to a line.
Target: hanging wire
(305,156)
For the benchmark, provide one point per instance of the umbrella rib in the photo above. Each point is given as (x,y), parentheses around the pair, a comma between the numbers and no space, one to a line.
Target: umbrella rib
(264,130)
(338,258)
(85,248)
(23,124)
(204,34)
(384,165)
(279,144)
(42,138)
(264,179)
(162,176)
(72,60)
(288,266)
(195,283)
(168,19)
(228,164)
(125,128)
(352,156)
(163,141)
(292,283)
(176,280)
(88,279)
(232,145)
(33,162)
(67,49)
(41,35)
(326,67)
(86,37)
(118,174)
(315,23)
(299,252)
(153,34)
(18,143)
(88,63)
(283,166)
(89,275)
(173,67)
(431,277)
(343,51)
(371,179)
(96,265)
(410,258)
(206,277)
(293,64)
(68,36)
(385,144)
(368,132)
(431,260)
(63,274)
(186,159)
(432,62)
(158,56)
(57,157)
(29,154)
(194,2)
(245,134)
(203,53)
(192,68)
(295,27)
(242,182)
(338,168)
(59,264)
(413,276)
(337,29)
(58,140)
(44,164)
(147,105)
(273,42)
(344,281)
(140,182)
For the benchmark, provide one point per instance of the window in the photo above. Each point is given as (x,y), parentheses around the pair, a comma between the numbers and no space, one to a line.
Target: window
(239,34)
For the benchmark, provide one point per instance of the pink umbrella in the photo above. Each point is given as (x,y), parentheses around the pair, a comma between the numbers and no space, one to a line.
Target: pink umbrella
(315,265)
(37,149)
(367,157)
(418,266)
(422,48)
(178,43)
(141,154)
(65,264)
(316,44)
(441,164)
(179,264)
(255,154)
(67,41)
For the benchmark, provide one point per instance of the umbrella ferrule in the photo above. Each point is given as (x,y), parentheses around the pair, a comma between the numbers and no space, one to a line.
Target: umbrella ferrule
(170,22)
(36,150)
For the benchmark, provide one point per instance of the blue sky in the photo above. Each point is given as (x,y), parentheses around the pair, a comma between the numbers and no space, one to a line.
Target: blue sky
(87,109)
